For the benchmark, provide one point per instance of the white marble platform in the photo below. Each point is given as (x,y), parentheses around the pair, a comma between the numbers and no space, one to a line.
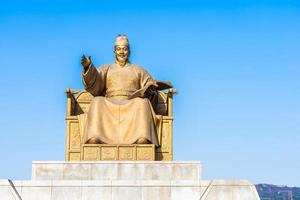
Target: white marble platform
(123,180)
(129,190)
(116,170)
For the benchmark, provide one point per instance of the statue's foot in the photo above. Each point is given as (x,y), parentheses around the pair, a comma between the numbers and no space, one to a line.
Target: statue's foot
(94,141)
(142,141)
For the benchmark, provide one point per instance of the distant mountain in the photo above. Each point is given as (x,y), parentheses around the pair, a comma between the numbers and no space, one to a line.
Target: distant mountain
(274,192)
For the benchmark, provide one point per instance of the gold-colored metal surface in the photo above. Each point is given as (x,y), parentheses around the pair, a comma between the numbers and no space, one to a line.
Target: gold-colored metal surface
(122,105)
(78,103)
(118,152)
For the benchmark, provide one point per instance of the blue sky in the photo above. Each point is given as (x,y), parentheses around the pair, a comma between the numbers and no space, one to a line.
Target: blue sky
(235,64)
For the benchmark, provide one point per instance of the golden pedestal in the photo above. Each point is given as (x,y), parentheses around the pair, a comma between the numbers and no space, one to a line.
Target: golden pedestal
(118,152)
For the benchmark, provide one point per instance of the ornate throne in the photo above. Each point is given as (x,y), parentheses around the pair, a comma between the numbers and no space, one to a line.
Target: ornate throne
(77,105)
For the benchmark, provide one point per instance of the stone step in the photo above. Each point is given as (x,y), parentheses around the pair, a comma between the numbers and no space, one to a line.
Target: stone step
(128,190)
(116,170)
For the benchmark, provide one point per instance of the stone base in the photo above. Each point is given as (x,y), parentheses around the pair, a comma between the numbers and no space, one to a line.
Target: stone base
(117,170)
(128,190)
(122,180)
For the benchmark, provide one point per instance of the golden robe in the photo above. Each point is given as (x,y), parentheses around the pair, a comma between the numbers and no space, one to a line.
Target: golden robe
(113,118)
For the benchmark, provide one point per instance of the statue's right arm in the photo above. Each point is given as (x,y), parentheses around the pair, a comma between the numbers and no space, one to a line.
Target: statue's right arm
(93,79)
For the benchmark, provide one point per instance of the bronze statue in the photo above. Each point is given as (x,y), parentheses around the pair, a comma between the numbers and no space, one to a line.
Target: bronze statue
(125,95)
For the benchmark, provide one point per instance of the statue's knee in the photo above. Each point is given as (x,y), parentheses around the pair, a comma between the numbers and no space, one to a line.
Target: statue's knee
(142,141)
(141,101)
(98,98)
(94,141)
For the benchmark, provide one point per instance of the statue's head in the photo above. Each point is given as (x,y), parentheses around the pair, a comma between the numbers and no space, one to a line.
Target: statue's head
(122,50)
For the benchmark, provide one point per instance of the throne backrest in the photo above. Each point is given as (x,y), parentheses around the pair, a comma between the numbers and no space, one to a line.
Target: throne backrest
(80,102)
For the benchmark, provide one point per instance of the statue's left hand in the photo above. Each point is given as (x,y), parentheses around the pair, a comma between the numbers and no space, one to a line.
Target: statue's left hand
(150,92)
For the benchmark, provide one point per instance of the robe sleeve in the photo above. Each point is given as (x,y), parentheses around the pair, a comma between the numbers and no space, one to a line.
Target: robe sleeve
(146,79)
(94,80)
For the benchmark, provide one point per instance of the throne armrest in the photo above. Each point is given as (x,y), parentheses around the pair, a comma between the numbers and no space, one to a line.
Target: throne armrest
(69,93)
(77,101)
(170,93)
(70,100)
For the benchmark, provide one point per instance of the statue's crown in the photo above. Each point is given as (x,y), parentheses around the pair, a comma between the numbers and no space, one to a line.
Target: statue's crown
(122,40)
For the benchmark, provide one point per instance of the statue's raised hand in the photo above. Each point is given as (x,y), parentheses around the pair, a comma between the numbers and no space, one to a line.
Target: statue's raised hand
(86,62)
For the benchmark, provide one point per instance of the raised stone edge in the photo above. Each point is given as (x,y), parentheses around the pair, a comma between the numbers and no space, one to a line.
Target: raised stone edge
(127,183)
(116,162)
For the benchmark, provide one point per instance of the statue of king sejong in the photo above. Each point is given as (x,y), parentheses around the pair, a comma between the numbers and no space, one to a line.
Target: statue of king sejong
(125,95)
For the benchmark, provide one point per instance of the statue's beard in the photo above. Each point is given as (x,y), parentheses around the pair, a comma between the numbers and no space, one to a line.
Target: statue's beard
(122,59)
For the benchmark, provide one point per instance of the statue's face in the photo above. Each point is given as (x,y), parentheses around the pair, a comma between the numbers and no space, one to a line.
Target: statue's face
(122,53)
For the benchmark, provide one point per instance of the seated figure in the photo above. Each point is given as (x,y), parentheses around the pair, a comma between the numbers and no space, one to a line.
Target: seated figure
(125,95)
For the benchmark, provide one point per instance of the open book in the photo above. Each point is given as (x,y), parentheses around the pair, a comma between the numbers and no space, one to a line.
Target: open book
(158,85)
